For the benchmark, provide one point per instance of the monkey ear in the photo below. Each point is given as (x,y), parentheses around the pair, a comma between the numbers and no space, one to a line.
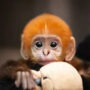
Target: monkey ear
(71,49)
(23,50)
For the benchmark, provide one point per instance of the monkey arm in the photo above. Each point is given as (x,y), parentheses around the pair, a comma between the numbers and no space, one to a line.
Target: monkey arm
(10,78)
(9,69)
(82,67)
(8,74)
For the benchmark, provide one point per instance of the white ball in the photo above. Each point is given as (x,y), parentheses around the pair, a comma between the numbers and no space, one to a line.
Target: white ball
(60,76)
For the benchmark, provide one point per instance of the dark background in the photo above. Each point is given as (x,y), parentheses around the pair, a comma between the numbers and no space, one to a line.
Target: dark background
(14,14)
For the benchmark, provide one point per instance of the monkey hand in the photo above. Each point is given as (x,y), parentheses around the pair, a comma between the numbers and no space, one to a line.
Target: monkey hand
(25,79)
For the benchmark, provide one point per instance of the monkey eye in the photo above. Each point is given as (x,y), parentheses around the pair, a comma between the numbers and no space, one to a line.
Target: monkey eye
(53,44)
(39,44)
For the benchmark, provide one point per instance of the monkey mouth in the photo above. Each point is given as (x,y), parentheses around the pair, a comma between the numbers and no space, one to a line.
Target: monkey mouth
(46,62)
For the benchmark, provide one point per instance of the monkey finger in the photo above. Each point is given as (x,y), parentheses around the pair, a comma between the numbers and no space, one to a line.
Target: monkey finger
(30,81)
(36,74)
(24,81)
(18,79)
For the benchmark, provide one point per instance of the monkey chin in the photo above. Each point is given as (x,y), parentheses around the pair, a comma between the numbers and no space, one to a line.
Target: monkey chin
(46,62)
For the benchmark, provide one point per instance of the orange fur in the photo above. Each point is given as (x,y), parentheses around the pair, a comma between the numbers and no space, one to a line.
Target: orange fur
(55,26)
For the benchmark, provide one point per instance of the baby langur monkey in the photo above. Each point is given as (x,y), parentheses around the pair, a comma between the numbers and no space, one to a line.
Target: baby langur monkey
(45,39)
(46,49)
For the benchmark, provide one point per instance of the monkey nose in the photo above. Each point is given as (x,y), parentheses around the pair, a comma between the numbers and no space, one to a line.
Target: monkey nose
(46,52)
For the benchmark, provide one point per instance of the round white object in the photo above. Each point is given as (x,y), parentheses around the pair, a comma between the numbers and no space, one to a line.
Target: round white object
(60,76)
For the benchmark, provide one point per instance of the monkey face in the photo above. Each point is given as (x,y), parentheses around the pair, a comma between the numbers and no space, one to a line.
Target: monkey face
(46,48)
(47,38)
